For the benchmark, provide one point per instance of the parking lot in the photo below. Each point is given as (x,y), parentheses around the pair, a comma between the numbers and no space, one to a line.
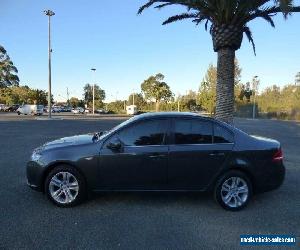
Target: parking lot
(135,220)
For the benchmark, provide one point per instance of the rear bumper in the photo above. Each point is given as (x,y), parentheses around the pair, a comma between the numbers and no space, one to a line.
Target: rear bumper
(271,179)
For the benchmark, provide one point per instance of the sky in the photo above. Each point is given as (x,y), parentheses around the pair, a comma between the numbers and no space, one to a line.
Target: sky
(126,48)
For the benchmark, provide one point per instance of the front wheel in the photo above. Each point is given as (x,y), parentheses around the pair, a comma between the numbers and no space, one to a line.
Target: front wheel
(233,190)
(65,186)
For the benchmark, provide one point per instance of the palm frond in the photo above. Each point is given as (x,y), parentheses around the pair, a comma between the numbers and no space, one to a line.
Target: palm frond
(248,33)
(180,17)
(147,5)
(2,50)
(227,13)
(268,18)
(163,5)
(285,6)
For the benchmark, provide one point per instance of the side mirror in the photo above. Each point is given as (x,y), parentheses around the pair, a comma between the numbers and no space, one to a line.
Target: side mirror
(114,145)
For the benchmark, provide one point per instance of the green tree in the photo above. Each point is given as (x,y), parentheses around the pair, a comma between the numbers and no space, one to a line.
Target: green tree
(8,72)
(116,106)
(228,21)
(38,96)
(154,88)
(23,95)
(74,101)
(269,100)
(207,91)
(208,88)
(188,102)
(138,100)
(88,95)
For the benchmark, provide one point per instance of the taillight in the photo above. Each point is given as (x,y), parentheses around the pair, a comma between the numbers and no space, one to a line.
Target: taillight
(278,156)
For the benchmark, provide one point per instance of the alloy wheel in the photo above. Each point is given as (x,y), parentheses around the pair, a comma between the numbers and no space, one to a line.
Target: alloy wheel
(63,187)
(234,192)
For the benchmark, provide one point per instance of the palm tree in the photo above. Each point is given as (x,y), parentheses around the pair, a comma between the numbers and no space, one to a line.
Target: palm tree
(8,71)
(228,21)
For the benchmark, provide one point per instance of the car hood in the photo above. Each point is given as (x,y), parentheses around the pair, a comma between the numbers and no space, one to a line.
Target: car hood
(69,141)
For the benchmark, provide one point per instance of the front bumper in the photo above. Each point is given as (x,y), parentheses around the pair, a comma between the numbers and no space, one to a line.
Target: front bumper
(34,187)
(35,174)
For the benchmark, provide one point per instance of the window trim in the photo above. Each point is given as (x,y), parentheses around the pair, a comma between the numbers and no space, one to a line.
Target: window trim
(228,130)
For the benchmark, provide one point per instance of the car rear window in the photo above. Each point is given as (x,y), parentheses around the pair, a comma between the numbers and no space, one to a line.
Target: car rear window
(222,135)
(192,131)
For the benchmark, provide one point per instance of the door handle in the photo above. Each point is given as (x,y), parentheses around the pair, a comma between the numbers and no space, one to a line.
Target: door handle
(156,155)
(217,154)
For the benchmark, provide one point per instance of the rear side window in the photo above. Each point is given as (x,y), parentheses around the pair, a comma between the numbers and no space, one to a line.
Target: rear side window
(192,131)
(150,132)
(222,135)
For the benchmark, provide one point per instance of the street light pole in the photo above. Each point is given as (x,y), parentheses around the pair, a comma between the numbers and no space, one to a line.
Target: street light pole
(93,70)
(49,13)
(297,79)
(255,83)
(133,97)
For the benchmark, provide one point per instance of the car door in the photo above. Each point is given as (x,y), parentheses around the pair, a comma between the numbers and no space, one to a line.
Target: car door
(194,157)
(142,160)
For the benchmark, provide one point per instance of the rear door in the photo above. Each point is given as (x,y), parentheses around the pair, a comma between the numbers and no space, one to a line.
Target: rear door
(195,157)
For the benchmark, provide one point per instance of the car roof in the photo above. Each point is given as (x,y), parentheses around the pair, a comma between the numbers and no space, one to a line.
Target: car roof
(169,114)
(179,115)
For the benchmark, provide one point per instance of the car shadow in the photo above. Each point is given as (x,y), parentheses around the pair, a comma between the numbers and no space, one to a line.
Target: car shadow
(151,197)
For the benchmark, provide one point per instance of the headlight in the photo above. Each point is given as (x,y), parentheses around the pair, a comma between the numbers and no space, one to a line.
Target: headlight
(35,156)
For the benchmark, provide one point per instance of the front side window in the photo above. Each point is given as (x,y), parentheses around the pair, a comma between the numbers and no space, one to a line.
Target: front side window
(192,132)
(144,133)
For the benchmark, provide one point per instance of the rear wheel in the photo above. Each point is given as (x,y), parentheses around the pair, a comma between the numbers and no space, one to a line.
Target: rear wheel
(18,113)
(65,186)
(233,190)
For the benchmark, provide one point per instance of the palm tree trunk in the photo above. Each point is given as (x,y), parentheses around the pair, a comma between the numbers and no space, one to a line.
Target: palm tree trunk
(225,85)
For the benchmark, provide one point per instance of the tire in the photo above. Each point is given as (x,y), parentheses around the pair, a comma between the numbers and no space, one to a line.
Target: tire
(58,190)
(18,113)
(233,190)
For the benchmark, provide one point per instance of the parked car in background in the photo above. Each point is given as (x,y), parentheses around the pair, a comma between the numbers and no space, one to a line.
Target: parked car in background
(2,107)
(30,109)
(78,110)
(55,109)
(159,151)
(101,111)
(87,111)
(12,108)
(68,109)
(65,109)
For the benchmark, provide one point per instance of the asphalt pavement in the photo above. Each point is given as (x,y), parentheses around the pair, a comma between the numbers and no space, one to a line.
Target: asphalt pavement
(136,220)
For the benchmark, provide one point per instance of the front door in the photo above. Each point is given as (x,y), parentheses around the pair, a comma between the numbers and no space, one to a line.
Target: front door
(141,162)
